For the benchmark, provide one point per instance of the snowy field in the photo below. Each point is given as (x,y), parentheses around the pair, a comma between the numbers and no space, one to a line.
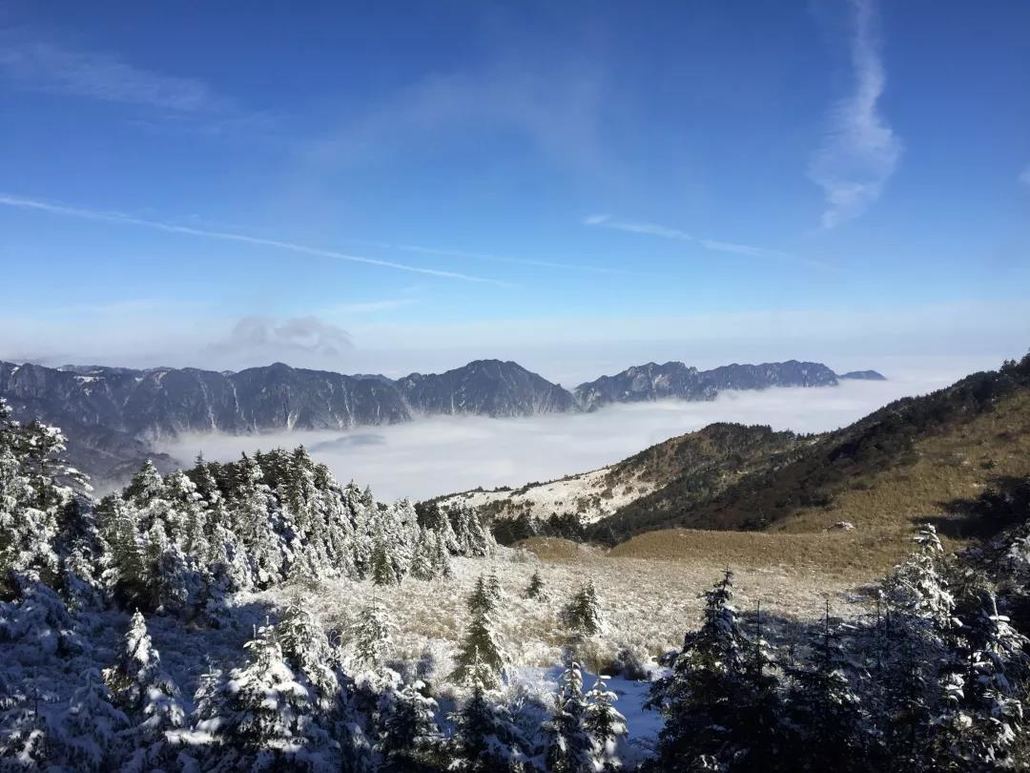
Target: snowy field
(645,605)
(443,455)
(646,608)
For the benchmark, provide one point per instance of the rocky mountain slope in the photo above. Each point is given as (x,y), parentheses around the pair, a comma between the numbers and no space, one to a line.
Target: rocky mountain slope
(677,380)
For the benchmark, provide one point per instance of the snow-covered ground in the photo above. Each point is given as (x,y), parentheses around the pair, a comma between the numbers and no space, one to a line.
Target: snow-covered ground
(589,495)
(646,606)
(642,724)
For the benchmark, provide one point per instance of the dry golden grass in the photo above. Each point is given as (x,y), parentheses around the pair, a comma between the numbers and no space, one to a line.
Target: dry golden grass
(558,549)
(833,554)
(955,465)
(884,507)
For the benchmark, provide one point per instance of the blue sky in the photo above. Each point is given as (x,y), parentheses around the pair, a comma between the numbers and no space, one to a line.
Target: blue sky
(395,187)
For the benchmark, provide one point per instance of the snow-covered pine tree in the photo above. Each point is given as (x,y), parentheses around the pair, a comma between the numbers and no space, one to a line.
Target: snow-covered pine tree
(582,614)
(824,710)
(138,665)
(480,656)
(35,490)
(471,536)
(371,636)
(150,698)
(920,630)
(408,733)
(434,518)
(605,725)
(485,738)
(306,647)
(919,588)
(441,556)
(535,587)
(126,574)
(146,485)
(88,734)
(383,572)
(192,517)
(982,707)
(570,746)
(719,707)
(423,561)
(265,713)
(255,513)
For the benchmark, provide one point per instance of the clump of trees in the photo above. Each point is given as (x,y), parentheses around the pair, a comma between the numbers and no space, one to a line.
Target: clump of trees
(936,681)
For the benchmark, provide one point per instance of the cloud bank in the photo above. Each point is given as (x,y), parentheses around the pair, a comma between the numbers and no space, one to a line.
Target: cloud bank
(860,150)
(445,454)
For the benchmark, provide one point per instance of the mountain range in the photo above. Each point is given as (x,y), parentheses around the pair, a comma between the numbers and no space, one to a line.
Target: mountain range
(112,415)
(951,457)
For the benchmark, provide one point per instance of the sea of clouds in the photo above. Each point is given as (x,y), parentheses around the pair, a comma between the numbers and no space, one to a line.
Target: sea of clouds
(445,454)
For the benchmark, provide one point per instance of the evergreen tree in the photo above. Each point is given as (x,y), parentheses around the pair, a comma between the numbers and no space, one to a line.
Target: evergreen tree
(471,536)
(422,562)
(605,725)
(441,557)
(127,573)
(371,636)
(982,707)
(36,489)
(719,703)
(570,746)
(306,648)
(824,710)
(149,696)
(383,572)
(408,730)
(480,656)
(920,628)
(535,587)
(88,734)
(485,737)
(266,712)
(582,614)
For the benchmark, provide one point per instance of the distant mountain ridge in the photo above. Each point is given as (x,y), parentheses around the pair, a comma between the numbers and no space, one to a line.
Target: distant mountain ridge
(112,414)
(677,380)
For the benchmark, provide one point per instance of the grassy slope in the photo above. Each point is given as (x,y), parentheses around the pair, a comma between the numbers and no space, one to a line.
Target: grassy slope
(915,459)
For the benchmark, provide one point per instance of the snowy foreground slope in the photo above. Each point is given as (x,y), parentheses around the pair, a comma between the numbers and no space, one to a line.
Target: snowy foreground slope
(644,605)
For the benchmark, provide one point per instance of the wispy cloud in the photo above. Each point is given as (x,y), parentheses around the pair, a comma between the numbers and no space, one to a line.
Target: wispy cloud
(650,229)
(555,109)
(715,245)
(860,151)
(490,258)
(1024,176)
(44,66)
(122,219)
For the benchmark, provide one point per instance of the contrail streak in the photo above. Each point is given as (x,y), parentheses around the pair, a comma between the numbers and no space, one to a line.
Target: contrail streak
(114,217)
